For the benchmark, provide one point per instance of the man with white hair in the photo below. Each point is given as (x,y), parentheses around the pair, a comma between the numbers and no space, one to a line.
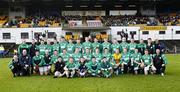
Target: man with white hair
(159,61)
(15,67)
(25,62)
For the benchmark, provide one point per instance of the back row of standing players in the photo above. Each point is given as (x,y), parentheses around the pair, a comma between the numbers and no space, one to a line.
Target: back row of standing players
(92,58)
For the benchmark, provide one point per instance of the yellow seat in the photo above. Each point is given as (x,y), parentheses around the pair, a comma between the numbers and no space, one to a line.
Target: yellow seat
(24,25)
(42,23)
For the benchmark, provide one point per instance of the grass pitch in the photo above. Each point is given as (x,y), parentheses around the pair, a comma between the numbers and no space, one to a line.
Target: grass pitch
(121,83)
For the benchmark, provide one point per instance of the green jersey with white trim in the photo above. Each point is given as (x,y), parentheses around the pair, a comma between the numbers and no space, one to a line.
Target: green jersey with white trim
(125,58)
(132,47)
(79,46)
(42,48)
(137,58)
(96,45)
(107,55)
(114,47)
(38,60)
(147,59)
(98,56)
(123,45)
(54,59)
(65,57)
(56,47)
(70,65)
(106,45)
(63,45)
(70,48)
(87,45)
(87,56)
(76,57)
(50,49)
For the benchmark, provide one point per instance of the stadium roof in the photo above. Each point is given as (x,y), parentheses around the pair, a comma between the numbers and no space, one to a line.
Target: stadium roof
(90,4)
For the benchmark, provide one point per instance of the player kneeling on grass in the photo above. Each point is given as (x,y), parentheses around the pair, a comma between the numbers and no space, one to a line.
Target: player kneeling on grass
(147,63)
(136,60)
(159,61)
(116,58)
(82,68)
(38,63)
(106,68)
(59,68)
(15,66)
(94,68)
(25,62)
(70,68)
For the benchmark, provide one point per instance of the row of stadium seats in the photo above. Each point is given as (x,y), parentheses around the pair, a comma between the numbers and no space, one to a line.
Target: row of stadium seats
(106,20)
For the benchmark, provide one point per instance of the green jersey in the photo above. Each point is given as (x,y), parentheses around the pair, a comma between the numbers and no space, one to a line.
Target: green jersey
(123,45)
(63,45)
(50,49)
(132,47)
(114,47)
(147,59)
(137,58)
(96,45)
(87,56)
(79,46)
(70,66)
(105,65)
(94,67)
(70,48)
(56,47)
(77,57)
(54,58)
(22,47)
(98,56)
(107,55)
(106,45)
(87,45)
(125,58)
(141,47)
(65,56)
(42,48)
(38,60)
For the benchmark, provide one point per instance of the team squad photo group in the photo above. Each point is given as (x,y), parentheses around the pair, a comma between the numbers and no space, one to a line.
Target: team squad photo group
(91,58)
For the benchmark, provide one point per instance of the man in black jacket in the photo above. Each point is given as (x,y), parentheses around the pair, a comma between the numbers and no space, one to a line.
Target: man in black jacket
(15,67)
(59,68)
(25,62)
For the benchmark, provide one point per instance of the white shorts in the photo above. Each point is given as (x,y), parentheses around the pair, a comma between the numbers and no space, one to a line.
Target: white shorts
(58,74)
(148,67)
(136,68)
(44,69)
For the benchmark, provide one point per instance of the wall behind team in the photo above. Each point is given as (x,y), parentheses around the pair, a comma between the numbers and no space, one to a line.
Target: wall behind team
(15,33)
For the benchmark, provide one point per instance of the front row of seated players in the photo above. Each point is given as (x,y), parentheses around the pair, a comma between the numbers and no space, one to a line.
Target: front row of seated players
(89,65)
